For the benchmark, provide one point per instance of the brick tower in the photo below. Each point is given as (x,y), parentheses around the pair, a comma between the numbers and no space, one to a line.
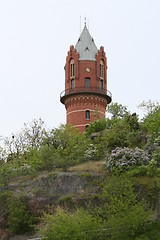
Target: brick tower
(85,96)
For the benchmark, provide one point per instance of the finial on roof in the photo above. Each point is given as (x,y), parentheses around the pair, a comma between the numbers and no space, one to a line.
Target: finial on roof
(85,22)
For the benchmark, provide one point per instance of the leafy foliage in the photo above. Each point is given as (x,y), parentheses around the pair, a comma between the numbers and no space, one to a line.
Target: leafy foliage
(4,199)
(64,226)
(19,217)
(151,120)
(30,137)
(151,232)
(129,144)
(35,149)
(122,132)
(126,216)
(96,126)
(120,216)
(69,144)
(117,110)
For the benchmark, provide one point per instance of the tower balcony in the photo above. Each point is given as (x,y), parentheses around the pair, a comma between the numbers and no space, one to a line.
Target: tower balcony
(86,90)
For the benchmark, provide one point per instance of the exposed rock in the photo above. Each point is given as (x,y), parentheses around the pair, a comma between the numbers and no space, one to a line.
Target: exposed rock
(48,189)
(51,189)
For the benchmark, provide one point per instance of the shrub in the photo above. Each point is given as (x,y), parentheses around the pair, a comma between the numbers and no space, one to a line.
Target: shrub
(125,158)
(96,126)
(50,157)
(152,169)
(64,225)
(90,153)
(19,217)
(4,199)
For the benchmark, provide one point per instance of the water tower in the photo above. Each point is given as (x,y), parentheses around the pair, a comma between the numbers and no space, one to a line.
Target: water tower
(85,96)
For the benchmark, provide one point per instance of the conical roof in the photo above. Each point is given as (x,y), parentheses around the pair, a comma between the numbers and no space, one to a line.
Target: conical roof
(86,46)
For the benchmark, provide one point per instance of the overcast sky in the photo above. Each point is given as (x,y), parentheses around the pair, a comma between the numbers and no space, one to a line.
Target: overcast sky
(35,36)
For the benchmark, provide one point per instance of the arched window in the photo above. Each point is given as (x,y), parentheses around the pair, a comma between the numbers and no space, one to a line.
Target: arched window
(101,74)
(72,73)
(87,83)
(101,69)
(87,126)
(72,68)
(87,114)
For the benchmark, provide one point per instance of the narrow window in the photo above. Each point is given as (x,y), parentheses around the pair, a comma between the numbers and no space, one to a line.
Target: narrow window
(72,83)
(87,82)
(87,126)
(87,114)
(101,69)
(72,68)
(101,84)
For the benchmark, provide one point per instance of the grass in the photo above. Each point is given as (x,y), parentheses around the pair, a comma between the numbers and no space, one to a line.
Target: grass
(147,181)
(92,166)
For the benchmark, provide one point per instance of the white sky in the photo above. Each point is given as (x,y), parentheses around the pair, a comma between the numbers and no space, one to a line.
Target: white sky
(35,36)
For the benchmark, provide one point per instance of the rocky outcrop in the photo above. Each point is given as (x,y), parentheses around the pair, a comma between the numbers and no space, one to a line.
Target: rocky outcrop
(49,190)
(69,189)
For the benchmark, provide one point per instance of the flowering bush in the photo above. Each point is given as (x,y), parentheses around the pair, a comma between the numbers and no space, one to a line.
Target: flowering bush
(125,158)
(90,153)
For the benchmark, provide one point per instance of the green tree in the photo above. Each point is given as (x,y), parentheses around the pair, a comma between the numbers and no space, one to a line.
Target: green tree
(123,130)
(31,136)
(125,215)
(95,134)
(117,110)
(96,126)
(117,133)
(69,144)
(50,158)
(151,120)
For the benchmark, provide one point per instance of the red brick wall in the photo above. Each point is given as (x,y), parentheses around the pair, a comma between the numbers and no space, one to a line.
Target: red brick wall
(76,105)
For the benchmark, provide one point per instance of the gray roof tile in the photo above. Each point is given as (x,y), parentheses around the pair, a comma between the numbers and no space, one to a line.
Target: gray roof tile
(86,46)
